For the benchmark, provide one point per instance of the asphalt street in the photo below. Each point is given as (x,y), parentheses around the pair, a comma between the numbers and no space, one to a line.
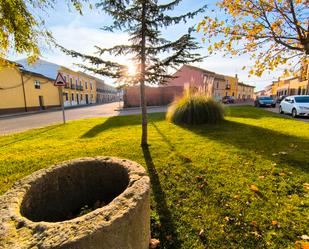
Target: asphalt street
(276,110)
(19,123)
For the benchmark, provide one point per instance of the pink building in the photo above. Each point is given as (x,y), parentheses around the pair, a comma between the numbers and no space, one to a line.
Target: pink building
(194,77)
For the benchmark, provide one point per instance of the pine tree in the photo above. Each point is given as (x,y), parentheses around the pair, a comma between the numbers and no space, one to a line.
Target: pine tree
(143,19)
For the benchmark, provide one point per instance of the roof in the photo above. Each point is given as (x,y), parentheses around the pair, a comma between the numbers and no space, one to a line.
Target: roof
(35,74)
(42,67)
(101,83)
(217,76)
(243,84)
(199,69)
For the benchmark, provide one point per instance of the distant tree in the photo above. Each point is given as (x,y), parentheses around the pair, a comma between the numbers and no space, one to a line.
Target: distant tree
(152,53)
(273,32)
(21,30)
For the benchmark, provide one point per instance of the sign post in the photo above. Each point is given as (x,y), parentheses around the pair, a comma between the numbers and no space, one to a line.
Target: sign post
(60,82)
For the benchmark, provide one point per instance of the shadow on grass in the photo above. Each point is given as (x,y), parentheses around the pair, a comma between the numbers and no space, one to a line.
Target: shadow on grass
(33,134)
(276,146)
(111,123)
(167,231)
(120,121)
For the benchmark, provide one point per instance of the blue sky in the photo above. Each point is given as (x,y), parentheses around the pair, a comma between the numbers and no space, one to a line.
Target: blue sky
(82,33)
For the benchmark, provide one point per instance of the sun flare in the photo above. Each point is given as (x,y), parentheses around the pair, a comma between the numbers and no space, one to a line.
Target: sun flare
(131,69)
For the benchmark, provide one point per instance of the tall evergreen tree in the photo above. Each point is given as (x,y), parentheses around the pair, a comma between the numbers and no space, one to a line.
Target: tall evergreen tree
(153,54)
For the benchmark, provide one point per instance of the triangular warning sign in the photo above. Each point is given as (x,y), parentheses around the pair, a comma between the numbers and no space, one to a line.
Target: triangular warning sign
(60,81)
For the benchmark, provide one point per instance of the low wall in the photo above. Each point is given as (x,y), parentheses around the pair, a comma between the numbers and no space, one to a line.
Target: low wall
(155,96)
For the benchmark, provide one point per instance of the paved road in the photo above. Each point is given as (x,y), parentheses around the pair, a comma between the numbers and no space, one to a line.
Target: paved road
(276,110)
(25,122)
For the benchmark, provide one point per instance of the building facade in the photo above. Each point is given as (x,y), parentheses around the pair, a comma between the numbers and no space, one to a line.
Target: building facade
(197,80)
(105,92)
(80,88)
(287,87)
(212,84)
(22,90)
(245,91)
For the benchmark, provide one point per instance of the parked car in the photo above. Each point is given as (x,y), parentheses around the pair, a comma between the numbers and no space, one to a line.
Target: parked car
(281,97)
(297,105)
(228,100)
(264,101)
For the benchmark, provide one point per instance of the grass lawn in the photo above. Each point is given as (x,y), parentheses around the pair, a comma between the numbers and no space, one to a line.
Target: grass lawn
(240,184)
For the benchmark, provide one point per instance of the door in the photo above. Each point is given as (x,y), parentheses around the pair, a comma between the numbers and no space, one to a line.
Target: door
(41,102)
(288,105)
(87,101)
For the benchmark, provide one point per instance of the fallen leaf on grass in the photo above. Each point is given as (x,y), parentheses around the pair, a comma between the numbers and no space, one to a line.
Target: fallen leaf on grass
(283,153)
(302,245)
(304,237)
(169,237)
(154,243)
(306,185)
(261,177)
(254,188)
(201,233)
(281,174)
(254,223)
(274,222)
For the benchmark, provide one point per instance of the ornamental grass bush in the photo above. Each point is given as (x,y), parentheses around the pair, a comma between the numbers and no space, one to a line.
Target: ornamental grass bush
(195,109)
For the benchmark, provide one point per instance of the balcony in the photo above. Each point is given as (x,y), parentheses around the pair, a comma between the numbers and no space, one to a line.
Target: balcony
(79,88)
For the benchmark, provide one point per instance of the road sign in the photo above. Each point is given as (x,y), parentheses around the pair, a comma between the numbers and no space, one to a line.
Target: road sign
(60,81)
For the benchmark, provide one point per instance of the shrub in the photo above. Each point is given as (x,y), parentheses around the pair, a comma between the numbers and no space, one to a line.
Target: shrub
(195,109)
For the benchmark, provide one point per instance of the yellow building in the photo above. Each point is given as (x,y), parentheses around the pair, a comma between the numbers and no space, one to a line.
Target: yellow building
(80,88)
(293,86)
(22,90)
(231,84)
(244,91)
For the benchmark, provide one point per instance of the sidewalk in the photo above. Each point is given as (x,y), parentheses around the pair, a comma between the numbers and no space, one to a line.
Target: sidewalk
(20,114)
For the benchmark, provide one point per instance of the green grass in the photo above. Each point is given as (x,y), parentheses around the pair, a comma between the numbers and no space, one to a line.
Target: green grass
(200,176)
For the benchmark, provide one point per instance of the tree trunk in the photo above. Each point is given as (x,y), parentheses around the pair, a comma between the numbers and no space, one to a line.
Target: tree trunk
(142,80)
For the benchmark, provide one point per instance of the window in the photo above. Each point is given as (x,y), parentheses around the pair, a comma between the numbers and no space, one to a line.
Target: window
(227,84)
(303,99)
(71,81)
(233,94)
(86,85)
(72,96)
(217,84)
(81,97)
(37,84)
(90,85)
(303,91)
(66,96)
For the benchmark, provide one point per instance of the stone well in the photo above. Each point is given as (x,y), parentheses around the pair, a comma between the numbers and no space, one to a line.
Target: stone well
(48,209)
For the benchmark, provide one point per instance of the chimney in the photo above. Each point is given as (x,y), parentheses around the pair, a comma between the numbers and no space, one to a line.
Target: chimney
(236,76)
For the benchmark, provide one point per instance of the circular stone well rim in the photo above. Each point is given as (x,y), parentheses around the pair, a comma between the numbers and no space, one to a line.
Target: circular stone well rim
(11,219)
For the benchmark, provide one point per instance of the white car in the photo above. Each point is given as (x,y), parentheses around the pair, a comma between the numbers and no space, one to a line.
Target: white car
(297,105)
